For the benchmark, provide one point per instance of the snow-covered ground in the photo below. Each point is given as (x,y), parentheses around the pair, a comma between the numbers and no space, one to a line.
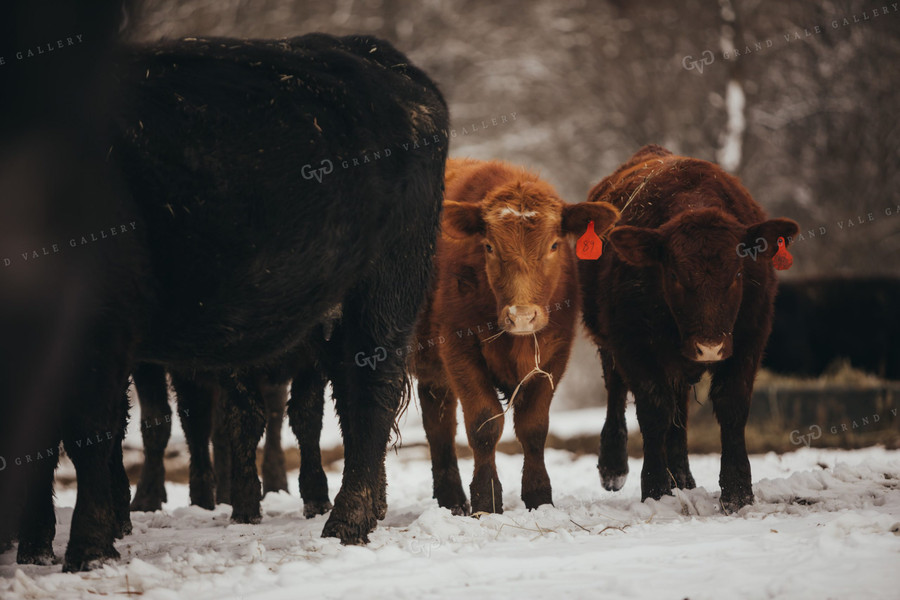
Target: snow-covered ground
(826,524)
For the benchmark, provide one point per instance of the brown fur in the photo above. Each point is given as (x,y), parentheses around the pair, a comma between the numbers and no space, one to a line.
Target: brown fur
(676,287)
(490,259)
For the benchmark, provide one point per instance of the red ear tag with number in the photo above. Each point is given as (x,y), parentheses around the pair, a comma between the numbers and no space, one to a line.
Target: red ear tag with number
(782,259)
(589,246)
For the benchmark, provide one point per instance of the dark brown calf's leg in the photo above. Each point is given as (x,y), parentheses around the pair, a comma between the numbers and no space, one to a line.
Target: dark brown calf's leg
(613,463)
(245,421)
(676,444)
(274,396)
(654,411)
(439,419)
(532,420)
(196,394)
(156,427)
(730,394)
(305,411)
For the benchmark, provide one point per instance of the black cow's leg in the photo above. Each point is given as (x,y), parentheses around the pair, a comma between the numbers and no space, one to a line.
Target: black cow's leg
(91,427)
(613,463)
(439,418)
(196,395)
(730,394)
(221,442)
(156,427)
(367,401)
(245,421)
(274,396)
(305,411)
(676,444)
(120,488)
(37,526)
(654,416)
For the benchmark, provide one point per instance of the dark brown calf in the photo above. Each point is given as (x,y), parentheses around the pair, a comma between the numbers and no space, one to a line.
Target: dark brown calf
(680,295)
(506,289)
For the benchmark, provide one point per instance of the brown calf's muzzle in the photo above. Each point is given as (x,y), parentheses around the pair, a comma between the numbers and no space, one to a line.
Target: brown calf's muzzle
(523,319)
(706,350)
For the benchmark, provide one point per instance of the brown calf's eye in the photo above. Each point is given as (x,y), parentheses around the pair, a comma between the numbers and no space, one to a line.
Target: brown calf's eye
(489,248)
(554,247)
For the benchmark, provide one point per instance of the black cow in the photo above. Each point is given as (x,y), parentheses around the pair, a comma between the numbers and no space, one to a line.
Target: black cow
(241,249)
(818,321)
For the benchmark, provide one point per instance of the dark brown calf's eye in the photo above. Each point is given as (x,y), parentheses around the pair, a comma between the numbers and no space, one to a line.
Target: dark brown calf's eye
(489,248)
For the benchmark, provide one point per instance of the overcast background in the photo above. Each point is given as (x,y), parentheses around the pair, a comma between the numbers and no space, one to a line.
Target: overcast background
(808,118)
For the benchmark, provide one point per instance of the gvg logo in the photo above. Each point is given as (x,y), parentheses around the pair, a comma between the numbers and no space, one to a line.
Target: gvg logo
(815,432)
(753,251)
(309,173)
(424,546)
(372,361)
(690,63)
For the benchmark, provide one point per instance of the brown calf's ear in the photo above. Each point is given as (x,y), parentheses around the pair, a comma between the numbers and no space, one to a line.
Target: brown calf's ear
(462,219)
(770,231)
(638,246)
(575,217)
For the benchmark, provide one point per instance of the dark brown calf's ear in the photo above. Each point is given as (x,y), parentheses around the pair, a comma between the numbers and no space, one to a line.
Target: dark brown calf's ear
(575,217)
(462,219)
(638,246)
(770,231)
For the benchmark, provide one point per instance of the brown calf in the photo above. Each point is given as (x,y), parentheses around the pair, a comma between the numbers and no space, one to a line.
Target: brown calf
(688,289)
(506,291)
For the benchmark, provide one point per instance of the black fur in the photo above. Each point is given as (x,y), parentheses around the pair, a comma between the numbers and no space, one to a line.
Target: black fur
(236,257)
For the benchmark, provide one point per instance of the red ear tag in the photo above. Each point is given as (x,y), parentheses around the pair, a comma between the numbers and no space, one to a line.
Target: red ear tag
(782,259)
(589,246)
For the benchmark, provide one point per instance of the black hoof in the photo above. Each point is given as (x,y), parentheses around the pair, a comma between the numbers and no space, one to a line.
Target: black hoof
(613,480)
(463,510)
(246,517)
(350,534)
(313,509)
(536,498)
(146,503)
(124,528)
(88,559)
(44,557)
(735,500)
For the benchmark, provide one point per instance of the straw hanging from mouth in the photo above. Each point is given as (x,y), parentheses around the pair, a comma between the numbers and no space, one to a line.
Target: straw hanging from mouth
(536,370)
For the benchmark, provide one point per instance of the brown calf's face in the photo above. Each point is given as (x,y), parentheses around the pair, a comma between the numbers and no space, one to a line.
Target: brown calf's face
(522,227)
(701,273)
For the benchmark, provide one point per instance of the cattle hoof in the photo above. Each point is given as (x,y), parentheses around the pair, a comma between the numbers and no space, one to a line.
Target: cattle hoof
(44,557)
(245,518)
(204,501)
(733,502)
(146,503)
(124,528)
(350,534)
(613,482)
(460,510)
(88,560)
(313,509)
(537,498)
